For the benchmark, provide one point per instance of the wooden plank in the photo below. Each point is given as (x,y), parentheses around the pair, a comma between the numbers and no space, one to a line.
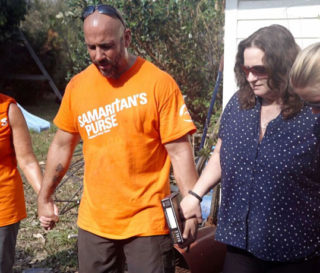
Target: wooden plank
(307,41)
(300,28)
(40,65)
(230,47)
(27,77)
(263,4)
(279,12)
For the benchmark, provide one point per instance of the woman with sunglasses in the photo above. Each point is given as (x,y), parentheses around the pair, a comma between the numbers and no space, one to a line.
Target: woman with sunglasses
(267,158)
(15,147)
(305,76)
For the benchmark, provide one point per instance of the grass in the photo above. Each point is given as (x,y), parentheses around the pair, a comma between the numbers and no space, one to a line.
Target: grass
(37,248)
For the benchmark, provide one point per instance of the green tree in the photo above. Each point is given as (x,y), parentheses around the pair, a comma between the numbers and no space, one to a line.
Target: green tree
(11,14)
(183,37)
(50,38)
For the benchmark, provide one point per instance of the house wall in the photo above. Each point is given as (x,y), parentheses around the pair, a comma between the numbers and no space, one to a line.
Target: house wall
(243,17)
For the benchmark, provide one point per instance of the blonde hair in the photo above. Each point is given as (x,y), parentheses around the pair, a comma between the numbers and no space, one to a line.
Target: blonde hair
(305,71)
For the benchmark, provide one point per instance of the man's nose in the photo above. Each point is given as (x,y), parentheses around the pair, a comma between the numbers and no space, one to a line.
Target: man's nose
(99,54)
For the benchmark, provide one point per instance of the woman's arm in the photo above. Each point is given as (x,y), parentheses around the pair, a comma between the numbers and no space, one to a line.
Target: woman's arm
(23,148)
(209,177)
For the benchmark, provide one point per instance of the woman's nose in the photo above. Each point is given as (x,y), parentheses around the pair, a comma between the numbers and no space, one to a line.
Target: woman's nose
(251,77)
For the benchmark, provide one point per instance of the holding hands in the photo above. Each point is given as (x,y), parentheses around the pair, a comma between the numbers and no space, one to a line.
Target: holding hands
(191,212)
(48,214)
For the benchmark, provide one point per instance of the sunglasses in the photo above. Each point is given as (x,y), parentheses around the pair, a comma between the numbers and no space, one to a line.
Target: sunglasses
(103,9)
(257,70)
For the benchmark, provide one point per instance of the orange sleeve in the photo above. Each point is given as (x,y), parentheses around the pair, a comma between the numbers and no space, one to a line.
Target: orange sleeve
(175,120)
(65,118)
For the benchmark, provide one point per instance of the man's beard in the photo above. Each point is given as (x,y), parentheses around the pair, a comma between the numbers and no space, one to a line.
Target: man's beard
(113,70)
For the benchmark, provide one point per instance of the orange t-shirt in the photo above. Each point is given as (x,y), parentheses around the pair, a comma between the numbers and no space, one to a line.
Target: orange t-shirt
(123,124)
(12,205)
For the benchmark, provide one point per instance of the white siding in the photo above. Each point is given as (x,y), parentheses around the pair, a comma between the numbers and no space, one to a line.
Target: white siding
(243,17)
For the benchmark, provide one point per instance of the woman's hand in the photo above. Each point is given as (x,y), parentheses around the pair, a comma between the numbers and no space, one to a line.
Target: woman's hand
(190,208)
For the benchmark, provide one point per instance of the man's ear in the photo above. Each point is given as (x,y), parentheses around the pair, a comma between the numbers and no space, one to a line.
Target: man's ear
(127,37)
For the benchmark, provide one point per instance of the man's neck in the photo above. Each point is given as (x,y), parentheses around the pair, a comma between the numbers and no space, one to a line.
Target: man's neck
(128,63)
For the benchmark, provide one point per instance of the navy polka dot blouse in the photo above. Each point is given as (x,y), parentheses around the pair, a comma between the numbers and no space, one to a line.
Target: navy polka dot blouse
(270,189)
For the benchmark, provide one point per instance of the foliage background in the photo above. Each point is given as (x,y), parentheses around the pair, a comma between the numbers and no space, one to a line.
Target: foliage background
(183,37)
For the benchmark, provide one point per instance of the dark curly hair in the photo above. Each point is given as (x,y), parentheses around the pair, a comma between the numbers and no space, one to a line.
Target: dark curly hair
(280,51)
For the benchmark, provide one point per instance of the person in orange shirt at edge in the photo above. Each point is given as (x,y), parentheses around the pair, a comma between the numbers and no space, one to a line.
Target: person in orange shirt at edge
(133,121)
(15,146)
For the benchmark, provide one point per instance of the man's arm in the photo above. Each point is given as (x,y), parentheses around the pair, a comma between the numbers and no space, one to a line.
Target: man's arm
(58,161)
(181,155)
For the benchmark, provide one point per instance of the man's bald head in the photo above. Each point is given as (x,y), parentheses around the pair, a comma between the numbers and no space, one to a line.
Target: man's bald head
(107,41)
(98,22)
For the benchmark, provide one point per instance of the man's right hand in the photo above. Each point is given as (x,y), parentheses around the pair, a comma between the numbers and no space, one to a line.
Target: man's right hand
(191,212)
(48,213)
(190,232)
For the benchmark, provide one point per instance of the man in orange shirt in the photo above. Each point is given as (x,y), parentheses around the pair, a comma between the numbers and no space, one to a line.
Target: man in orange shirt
(133,121)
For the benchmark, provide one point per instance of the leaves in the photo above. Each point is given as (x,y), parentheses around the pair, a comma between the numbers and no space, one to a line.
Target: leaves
(183,37)
(11,13)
